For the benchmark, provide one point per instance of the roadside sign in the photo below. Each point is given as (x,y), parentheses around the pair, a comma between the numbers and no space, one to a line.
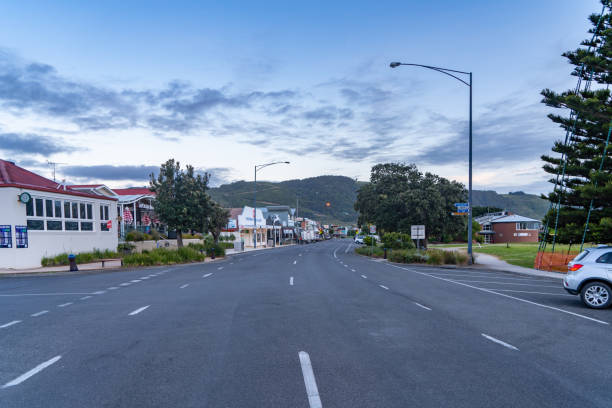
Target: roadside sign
(459,213)
(372,229)
(462,205)
(417,232)
(463,210)
(109,224)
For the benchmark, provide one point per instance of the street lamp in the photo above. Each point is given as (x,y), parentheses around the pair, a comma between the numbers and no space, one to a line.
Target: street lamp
(451,72)
(257,168)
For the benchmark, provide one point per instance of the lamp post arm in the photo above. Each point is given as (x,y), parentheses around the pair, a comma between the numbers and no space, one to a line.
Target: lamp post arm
(443,71)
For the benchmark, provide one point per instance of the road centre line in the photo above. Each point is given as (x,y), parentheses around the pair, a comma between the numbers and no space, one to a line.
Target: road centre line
(42,312)
(65,304)
(85,297)
(144,277)
(44,294)
(527,291)
(364,277)
(207,275)
(506,283)
(135,281)
(135,312)
(99,292)
(353,270)
(291,281)
(498,341)
(112,288)
(125,284)
(345,265)
(384,287)
(504,295)
(420,305)
(10,324)
(184,286)
(32,372)
(314,401)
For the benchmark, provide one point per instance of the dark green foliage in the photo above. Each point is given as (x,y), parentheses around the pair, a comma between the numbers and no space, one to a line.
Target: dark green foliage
(216,220)
(396,240)
(399,196)
(137,236)
(368,240)
(589,128)
(477,211)
(81,258)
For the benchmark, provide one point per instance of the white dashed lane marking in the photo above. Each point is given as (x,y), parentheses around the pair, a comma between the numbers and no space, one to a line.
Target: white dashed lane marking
(184,286)
(420,305)
(206,275)
(32,372)
(85,297)
(42,312)
(498,341)
(384,287)
(65,304)
(135,312)
(9,324)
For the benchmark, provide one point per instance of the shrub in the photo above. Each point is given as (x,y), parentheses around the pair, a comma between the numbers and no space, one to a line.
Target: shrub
(398,256)
(155,235)
(137,236)
(377,252)
(367,240)
(80,258)
(396,240)
(435,257)
(125,247)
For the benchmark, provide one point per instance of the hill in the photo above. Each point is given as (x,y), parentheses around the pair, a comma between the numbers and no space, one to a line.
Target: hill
(341,193)
(528,205)
(312,193)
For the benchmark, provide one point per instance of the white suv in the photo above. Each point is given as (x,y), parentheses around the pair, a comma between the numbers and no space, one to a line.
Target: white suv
(590,275)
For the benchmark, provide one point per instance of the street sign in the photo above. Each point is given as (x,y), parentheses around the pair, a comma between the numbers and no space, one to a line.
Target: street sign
(459,213)
(372,229)
(417,232)
(462,205)
(462,210)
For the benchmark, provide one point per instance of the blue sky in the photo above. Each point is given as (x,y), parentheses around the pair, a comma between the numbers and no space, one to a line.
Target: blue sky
(112,89)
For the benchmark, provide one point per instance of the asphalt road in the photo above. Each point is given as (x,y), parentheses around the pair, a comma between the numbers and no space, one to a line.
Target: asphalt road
(306,326)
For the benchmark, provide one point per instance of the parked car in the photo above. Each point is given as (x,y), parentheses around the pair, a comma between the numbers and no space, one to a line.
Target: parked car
(359,239)
(590,275)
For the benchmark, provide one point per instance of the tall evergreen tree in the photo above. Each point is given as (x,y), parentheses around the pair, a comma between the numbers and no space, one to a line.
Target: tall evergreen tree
(580,180)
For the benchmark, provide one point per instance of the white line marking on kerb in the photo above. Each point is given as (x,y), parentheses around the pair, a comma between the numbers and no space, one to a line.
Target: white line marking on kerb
(42,312)
(32,372)
(309,381)
(498,341)
(10,324)
(420,305)
(291,281)
(364,277)
(207,275)
(85,297)
(384,287)
(135,312)
(184,286)
(65,304)
(504,295)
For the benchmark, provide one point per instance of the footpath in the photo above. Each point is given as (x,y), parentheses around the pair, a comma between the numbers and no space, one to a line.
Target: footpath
(110,264)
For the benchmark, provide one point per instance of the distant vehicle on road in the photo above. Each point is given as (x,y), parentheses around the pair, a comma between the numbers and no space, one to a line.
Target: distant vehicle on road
(359,239)
(590,275)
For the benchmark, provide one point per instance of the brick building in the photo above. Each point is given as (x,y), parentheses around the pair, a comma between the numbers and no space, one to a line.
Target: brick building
(502,227)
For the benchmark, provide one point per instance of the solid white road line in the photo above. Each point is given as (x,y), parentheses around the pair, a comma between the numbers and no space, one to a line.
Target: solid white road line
(184,286)
(42,312)
(498,341)
(65,304)
(485,276)
(420,305)
(85,297)
(291,281)
(45,294)
(32,372)
(10,324)
(112,288)
(100,292)
(294,262)
(309,381)
(135,312)
(506,283)
(207,275)
(364,277)
(504,295)
(528,291)
(335,256)
(384,287)
(219,268)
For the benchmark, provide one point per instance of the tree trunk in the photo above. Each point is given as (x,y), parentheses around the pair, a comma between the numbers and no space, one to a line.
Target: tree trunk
(179,238)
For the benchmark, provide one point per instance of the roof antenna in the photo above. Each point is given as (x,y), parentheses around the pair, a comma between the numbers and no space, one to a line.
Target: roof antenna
(54,164)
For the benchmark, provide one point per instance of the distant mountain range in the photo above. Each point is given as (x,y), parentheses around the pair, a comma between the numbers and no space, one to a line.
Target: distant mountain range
(340,192)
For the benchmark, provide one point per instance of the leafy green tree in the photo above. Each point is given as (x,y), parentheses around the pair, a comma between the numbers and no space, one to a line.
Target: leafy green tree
(398,196)
(588,127)
(217,220)
(181,201)
(478,211)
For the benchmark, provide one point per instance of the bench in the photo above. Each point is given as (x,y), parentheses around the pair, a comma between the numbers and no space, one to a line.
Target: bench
(110,259)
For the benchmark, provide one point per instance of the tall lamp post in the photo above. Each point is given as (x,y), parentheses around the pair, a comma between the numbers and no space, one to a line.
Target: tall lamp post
(257,168)
(451,73)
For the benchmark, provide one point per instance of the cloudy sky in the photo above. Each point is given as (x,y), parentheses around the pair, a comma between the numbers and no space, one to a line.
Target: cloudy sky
(109,90)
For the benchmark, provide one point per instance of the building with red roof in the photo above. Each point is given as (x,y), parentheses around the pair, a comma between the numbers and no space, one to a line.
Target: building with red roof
(43,218)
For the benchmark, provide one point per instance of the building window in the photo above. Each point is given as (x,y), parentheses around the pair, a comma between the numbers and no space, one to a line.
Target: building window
(66,209)
(486,227)
(89,211)
(37,225)
(6,240)
(21,236)
(30,208)
(39,207)
(87,226)
(83,215)
(58,209)
(54,225)
(526,226)
(75,210)
(49,208)
(71,226)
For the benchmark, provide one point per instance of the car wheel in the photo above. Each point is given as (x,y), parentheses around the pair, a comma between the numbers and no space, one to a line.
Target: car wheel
(596,295)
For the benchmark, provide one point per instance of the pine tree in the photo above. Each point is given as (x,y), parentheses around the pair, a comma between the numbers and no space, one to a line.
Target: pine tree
(580,180)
